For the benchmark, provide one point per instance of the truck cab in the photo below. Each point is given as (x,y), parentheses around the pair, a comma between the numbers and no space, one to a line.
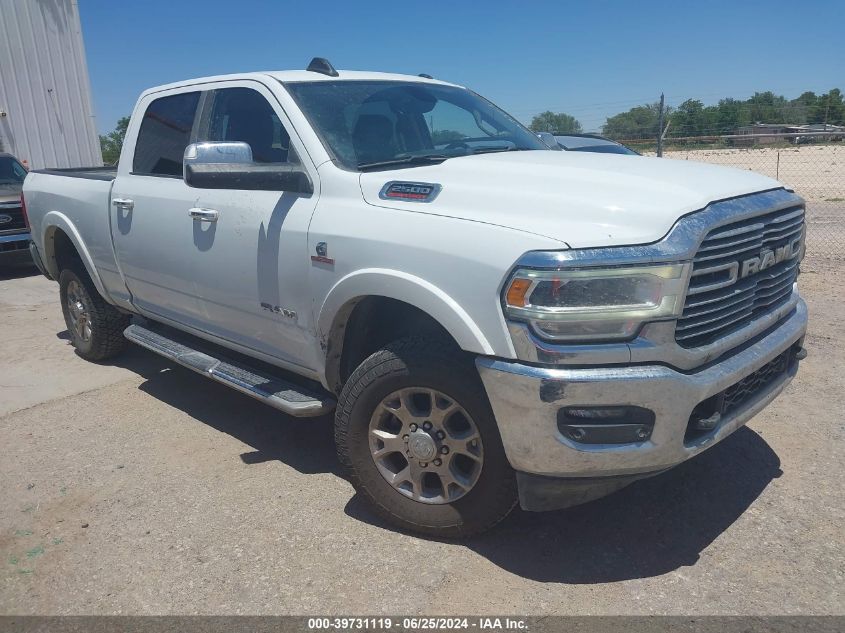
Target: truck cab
(490,321)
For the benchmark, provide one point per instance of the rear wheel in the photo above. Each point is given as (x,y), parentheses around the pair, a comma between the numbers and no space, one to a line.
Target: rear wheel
(415,430)
(95,327)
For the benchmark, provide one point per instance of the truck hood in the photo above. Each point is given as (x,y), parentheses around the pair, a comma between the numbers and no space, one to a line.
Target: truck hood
(581,199)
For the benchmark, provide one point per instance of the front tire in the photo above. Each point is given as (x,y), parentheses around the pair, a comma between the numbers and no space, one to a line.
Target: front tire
(95,327)
(417,435)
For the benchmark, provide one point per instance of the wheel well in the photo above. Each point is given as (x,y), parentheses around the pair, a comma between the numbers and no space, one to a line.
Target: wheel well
(62,251)
(367,324)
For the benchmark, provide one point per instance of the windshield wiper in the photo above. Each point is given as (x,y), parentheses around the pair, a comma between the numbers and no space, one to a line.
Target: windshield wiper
(490,150)
(405,160)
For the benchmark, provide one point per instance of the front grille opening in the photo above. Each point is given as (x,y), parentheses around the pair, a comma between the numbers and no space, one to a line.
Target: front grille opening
(713,278)
(708,414)
(718,302)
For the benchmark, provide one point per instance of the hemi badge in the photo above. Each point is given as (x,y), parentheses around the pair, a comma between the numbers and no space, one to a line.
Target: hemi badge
(409,191)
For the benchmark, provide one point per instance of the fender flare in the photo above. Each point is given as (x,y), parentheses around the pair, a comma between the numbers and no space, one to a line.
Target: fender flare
(56,220)
(393,284)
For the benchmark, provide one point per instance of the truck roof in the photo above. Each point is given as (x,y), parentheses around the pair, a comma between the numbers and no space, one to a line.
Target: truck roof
(301,75)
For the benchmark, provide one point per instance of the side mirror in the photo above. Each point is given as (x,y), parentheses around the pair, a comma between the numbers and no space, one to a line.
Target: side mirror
(229,165)
(549,140)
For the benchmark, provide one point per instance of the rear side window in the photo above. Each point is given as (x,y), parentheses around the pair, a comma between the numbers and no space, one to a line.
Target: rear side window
(243,114)
(164,134)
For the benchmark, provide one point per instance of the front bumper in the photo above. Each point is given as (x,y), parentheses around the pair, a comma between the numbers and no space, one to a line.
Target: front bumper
(526,400)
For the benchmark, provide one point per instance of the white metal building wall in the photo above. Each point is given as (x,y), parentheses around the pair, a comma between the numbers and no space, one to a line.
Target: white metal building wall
(46,115)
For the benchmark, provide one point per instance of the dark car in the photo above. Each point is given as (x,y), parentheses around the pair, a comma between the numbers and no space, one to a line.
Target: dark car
(592,143)
(14,234)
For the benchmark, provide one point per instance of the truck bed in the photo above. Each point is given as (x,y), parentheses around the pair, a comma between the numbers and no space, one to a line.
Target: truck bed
(78,202)
(89,173)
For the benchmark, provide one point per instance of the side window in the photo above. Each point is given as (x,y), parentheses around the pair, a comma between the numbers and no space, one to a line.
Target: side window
(164,134)
(243,114)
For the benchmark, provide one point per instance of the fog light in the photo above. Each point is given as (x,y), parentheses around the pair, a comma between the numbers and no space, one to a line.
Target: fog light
(606,425)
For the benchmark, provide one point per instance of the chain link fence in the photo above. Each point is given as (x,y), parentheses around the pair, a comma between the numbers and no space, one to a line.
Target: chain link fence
(814,171)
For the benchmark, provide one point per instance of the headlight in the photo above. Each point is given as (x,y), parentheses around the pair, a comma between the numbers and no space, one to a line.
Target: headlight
(596,303)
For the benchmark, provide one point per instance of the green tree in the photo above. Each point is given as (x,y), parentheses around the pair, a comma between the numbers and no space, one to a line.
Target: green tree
(731,114)
(112,143)
(561,122)
(636,123)
(829,108)
(687,119)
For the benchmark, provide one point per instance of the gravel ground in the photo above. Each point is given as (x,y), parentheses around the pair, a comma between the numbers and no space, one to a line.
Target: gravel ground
(140,488)
(817,172)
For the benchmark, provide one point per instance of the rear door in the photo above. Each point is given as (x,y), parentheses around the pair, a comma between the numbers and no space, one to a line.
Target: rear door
(153,235)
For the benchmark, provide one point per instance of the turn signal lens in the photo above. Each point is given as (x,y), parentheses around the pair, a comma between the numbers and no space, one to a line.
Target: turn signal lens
(517,291)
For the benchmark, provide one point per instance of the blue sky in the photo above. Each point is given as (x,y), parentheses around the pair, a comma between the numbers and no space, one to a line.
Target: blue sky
(590,59)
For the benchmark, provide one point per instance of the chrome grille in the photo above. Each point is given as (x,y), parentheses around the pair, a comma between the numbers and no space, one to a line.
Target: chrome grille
(717,303)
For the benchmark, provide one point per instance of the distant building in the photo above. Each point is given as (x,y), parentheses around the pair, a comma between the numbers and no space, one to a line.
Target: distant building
(46,113)
(818,132)
(761,134)
(768,133)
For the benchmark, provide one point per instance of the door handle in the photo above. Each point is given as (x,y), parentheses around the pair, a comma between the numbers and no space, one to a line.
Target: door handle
(123,203)
(203,215)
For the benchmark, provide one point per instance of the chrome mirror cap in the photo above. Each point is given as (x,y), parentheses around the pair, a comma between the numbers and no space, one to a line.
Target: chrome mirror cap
(220,152)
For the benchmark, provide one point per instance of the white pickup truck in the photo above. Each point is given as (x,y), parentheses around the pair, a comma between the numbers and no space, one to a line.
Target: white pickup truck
(490,320)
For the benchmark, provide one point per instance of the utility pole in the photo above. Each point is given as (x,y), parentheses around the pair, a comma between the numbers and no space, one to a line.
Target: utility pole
(660,128)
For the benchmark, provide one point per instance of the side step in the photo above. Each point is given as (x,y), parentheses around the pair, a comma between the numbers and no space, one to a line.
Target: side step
(277,392)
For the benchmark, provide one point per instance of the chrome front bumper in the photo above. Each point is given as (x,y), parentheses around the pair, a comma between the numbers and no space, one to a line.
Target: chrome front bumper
(526,400)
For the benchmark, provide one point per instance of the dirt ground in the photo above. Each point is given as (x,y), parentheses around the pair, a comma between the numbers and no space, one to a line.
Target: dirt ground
(817,172)
(141,488)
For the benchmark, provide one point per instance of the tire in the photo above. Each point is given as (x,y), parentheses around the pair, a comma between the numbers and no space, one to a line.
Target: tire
(408,366)
(95,327)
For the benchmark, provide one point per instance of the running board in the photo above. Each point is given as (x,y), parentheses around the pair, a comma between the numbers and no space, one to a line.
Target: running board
(281,394)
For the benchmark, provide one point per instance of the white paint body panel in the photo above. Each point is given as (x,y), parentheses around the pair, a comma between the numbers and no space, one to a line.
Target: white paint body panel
(582,199)
(449,258)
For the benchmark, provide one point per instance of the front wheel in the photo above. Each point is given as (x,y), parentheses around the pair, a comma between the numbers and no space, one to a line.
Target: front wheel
(416,432)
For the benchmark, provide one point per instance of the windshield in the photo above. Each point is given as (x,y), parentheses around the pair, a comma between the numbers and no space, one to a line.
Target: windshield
(371,124)
(11,171)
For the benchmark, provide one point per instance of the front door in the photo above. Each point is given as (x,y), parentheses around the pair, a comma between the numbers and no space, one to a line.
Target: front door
(251,264)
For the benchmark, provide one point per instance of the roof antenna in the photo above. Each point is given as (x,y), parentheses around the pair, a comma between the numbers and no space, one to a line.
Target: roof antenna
(424,75)
(323,66)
